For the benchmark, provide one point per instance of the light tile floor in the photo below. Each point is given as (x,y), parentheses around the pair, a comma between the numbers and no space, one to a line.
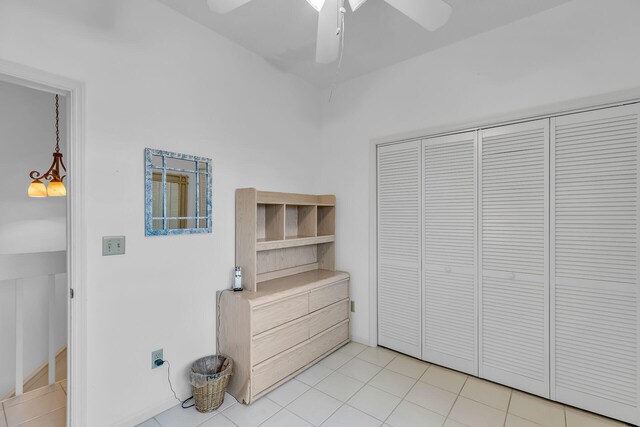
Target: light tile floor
(44,407)
(360,386)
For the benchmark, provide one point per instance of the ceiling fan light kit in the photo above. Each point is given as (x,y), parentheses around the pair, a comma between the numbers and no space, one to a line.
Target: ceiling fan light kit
(430,14)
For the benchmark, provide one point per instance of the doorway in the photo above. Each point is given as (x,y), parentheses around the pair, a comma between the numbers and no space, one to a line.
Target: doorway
(41,247)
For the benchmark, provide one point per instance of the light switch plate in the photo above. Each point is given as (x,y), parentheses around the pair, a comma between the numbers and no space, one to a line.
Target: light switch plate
(113,245)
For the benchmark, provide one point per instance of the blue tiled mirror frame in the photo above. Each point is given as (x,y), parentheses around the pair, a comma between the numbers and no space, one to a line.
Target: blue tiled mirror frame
(148,192)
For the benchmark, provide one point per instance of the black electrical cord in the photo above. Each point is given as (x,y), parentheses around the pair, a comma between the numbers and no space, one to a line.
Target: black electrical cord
(161,362)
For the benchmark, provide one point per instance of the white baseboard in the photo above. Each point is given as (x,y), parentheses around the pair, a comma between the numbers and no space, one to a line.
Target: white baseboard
(361,340)
(146,414)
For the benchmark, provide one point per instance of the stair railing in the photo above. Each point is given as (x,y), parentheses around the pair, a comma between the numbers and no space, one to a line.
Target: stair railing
(17,268)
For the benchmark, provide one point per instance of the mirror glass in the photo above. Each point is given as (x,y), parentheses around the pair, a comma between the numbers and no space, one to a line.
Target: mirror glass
(178,193)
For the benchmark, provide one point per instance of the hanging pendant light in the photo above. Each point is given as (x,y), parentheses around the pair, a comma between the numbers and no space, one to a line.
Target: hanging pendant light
(56,188)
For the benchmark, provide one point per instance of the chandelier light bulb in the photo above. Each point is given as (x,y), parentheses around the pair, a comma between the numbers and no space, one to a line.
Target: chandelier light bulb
(37,189)
(56,189)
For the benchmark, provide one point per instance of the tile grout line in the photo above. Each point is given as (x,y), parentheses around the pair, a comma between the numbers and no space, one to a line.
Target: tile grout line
(326,394)
(397,373)
(210,418)
(363,385)
(362,412)
(368,383)
(454,402)
(320,391)
(341,365)
(402,398)
(356,392)
(331,414)
(508,406)
(473,399)
(395,395)
(225,417)
(341,402)
(274,414)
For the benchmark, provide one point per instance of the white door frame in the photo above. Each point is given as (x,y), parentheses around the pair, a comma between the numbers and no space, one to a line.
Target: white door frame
(76,246)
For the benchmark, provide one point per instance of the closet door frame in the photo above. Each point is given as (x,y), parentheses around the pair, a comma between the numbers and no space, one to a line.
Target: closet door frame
(441,358)
(499,377)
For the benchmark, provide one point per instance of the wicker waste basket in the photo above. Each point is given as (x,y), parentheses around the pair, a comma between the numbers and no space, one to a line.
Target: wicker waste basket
(209,379)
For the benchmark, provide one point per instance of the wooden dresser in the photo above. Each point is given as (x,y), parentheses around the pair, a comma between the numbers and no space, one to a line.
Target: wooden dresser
(295,307)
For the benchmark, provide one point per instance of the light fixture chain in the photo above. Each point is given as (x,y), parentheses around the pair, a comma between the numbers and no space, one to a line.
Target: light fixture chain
(57,126)
(55,188)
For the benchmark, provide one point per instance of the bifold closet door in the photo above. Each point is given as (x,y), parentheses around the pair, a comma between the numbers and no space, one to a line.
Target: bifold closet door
(449,252)
(594,270)
(513,256)
(399,258)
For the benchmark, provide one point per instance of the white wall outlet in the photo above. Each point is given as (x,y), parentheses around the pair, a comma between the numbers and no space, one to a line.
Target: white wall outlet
(113,245)
(353,306)
(156,355)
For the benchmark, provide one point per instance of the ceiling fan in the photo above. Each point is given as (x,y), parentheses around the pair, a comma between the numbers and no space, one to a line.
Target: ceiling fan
(430,14)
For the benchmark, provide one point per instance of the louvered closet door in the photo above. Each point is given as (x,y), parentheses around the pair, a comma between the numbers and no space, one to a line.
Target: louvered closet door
(513,231)
(449,246)
(399,218)
(594,255)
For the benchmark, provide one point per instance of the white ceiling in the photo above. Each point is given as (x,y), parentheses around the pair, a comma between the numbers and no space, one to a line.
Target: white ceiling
(376,36)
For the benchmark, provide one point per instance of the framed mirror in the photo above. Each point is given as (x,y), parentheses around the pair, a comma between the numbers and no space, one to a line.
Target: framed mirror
(177,193)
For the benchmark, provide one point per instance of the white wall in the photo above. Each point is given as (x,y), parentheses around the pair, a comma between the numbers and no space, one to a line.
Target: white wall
(155,79)
(584,48)
(27,138)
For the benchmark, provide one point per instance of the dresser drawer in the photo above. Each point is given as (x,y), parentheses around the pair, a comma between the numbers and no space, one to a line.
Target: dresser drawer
(277,340)
(279,367)
(328,295)
(327,317)
(275,314)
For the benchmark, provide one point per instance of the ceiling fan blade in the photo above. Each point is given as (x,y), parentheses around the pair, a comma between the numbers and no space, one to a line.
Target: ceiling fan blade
(328,43)
(316,4)
(431,14)
(224,6)
(355,4)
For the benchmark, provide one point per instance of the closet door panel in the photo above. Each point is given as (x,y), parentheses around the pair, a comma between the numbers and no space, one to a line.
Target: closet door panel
(594,256)
(513,231)
(399,257)
(449,252)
